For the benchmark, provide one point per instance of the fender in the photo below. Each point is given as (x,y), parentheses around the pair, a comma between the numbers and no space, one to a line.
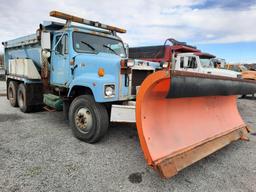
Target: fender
(96,84)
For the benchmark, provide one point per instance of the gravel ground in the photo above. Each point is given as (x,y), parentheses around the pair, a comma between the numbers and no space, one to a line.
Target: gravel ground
(39,153)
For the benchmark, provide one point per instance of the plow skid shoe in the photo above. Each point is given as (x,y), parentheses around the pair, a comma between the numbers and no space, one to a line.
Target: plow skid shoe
(179,125)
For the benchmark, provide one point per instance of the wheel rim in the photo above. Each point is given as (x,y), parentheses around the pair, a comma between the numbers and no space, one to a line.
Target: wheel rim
(83,120)
(21,99)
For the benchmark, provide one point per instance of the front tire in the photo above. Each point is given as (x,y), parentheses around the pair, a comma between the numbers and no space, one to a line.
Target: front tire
(12,93)
(89,120)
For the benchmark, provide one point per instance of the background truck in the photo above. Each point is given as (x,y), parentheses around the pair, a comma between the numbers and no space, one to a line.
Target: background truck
(181,116)
(245,72)
(194,63)
(185,57)
(165,53)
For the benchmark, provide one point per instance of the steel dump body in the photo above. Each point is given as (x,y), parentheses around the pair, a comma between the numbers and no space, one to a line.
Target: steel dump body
(23,47)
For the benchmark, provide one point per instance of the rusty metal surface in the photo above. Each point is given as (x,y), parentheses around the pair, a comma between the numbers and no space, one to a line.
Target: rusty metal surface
(45,73)
(169,166)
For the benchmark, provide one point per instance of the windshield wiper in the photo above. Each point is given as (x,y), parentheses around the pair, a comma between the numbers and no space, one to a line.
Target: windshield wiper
(110,49)
(92,48)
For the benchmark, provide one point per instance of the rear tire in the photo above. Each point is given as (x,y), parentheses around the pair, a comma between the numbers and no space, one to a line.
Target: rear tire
(89,120)
(12,93)
(22,99)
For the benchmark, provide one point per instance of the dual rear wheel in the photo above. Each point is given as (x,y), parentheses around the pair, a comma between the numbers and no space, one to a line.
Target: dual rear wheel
(17,96)
(12,93)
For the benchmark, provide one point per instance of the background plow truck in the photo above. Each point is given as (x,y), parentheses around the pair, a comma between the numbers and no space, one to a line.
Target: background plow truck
(185,58)
(165,53)
(181,116)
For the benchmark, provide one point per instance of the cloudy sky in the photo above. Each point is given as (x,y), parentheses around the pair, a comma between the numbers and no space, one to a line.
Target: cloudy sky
(226,28)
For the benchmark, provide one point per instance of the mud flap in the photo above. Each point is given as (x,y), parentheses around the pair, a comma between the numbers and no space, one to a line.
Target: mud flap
(179,125)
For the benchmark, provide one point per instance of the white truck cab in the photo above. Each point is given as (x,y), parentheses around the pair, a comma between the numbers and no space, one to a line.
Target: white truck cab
(194,63)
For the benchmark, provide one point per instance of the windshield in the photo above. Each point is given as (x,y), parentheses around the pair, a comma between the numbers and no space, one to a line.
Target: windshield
(206,63)
(84,42)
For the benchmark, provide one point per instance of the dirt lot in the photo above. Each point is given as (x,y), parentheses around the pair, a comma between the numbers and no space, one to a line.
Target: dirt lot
(39,153)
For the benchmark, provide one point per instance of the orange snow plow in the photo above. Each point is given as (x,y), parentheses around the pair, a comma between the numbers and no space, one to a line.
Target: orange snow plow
(183,117)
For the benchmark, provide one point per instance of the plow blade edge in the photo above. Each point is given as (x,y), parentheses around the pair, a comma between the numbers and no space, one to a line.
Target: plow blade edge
(184,117)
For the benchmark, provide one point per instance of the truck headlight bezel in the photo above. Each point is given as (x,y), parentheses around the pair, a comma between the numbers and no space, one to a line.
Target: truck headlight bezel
(109,90)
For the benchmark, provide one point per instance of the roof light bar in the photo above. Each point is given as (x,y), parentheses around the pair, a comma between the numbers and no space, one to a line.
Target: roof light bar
(68,17)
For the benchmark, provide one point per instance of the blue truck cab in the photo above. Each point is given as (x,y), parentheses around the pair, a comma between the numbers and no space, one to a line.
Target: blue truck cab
(89,58)
(82,68)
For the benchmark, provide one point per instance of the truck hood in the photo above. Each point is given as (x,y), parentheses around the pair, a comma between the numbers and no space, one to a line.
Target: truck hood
(222,72)
(91,63)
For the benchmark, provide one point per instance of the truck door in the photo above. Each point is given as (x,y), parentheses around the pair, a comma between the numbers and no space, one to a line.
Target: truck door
(60,60)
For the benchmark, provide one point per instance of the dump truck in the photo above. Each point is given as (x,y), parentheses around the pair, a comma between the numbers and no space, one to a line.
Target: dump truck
(83,68)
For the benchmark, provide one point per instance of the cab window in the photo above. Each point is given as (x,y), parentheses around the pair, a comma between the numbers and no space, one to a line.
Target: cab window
(192,62)
(182,62)
(62,46)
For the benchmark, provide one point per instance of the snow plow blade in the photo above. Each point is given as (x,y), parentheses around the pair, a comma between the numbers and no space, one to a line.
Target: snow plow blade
(182,117)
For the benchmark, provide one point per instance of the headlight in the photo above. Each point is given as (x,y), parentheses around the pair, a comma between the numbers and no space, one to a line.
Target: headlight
(109,90)
(130,63)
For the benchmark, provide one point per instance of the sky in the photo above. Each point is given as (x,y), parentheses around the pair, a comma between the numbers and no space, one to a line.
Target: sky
(225,28)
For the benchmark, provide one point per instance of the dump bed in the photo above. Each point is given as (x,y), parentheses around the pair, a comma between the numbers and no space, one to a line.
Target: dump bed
(22,48)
